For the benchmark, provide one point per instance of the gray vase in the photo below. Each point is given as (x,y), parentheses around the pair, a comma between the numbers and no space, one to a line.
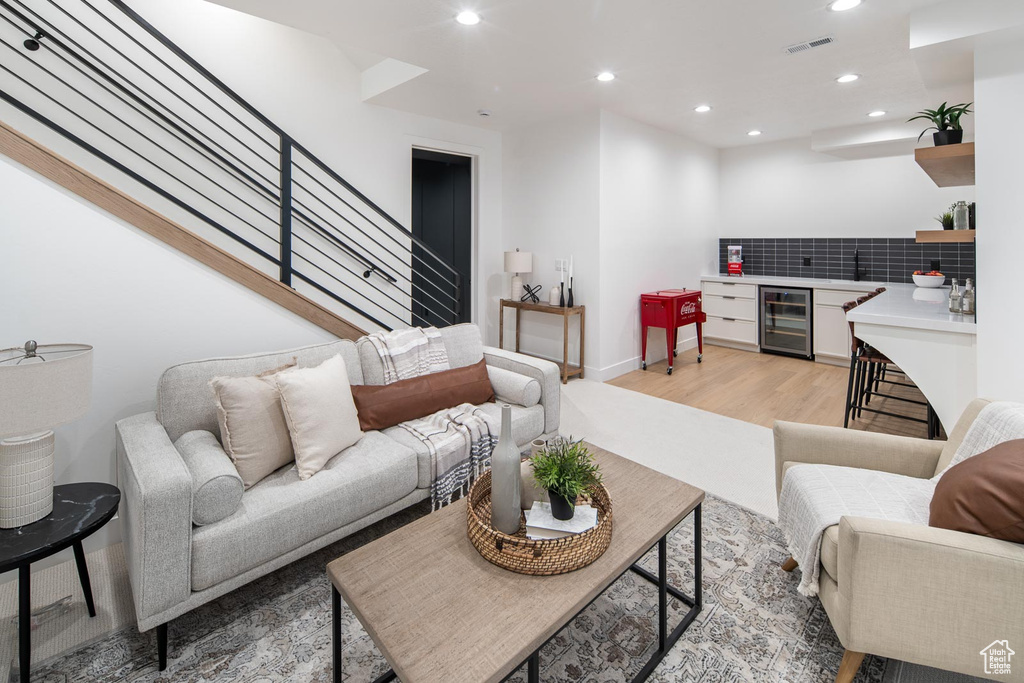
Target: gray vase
(505,478)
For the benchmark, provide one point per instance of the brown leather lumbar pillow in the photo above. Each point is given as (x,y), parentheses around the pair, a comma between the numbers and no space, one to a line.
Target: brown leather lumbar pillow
(982,494)
(385,406)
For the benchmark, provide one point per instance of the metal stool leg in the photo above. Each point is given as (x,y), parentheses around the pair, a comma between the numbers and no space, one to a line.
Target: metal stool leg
(849,391)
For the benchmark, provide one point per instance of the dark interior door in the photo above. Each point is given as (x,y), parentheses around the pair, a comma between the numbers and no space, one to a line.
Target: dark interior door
(441,219)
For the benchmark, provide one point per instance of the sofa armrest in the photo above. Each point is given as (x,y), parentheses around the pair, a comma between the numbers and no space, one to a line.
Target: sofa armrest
(929,595)
(156,516)
(817,445)
(544,371)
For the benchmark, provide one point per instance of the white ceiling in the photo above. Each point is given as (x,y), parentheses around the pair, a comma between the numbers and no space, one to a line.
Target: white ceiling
(532,59)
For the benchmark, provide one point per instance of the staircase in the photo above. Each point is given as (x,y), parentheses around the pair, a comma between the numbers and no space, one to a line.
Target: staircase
(175,152)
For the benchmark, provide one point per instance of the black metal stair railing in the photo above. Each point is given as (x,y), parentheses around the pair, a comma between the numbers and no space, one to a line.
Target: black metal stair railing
(100,76)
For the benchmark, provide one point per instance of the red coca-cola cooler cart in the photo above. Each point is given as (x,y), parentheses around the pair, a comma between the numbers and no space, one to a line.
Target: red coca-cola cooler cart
(671,309)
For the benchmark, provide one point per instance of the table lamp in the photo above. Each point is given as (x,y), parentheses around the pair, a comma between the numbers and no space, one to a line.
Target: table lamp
(518,262)
(41,387)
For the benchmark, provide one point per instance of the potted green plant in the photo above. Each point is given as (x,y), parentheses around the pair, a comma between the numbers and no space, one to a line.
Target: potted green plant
(946,219)
(566,468)
(945,122)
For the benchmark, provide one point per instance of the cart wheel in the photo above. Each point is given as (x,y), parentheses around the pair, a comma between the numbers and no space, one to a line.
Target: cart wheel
(700,357)
(643,365)
(670,371)
(674,353)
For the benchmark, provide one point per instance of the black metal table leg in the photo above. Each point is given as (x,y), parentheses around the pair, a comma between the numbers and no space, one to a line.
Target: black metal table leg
(662,592)
(533,668)
(24,621)
(336,632)
(83,577)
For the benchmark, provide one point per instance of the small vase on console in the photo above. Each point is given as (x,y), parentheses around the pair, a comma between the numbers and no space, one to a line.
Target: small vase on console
(506,480)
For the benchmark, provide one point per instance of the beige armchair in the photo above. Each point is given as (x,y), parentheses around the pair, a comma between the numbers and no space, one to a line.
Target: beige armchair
(911,592)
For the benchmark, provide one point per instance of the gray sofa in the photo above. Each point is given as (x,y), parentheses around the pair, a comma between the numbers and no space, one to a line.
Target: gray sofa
(176,565)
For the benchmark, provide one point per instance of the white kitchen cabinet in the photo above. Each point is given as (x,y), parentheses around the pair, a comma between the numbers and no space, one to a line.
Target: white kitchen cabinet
(832,338)
(731,309)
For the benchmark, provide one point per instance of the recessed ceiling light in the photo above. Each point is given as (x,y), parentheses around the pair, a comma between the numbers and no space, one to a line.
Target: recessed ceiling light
(605,76)
(468,18)
(876,114)
(847,78)
(702,108)
(843,5)
(754,133)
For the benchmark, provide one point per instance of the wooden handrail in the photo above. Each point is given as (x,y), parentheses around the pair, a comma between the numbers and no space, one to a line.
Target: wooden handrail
(68,175)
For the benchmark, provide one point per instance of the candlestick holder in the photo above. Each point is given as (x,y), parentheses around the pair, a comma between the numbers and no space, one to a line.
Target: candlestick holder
(570,302)
(561,294)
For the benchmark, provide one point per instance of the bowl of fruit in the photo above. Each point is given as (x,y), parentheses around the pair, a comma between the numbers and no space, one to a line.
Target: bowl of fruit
(931,278)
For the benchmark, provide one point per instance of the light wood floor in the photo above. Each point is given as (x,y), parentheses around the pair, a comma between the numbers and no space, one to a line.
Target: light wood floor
(761,388)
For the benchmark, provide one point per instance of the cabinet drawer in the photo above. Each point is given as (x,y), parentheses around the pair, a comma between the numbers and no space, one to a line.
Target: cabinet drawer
(735,289)
(744,331)
(835,297)
(730,307)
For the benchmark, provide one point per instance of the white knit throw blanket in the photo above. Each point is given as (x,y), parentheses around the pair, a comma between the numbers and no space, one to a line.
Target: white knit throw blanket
(815,497)
(408,353)
(460,441)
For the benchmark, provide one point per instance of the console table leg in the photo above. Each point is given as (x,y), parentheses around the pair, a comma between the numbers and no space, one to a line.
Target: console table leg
(698,591)
(336,632)
(83,577)
(24,621)
(533,668)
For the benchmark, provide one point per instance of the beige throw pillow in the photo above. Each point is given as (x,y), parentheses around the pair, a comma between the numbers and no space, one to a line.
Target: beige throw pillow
(320,413)
(253,429)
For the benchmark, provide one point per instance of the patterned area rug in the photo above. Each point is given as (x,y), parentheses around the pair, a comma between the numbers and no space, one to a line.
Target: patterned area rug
(754,626)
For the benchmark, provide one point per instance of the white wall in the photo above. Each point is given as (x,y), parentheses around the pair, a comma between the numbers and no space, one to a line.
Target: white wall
(304,84)
(659,199)
(634,205)
(999,89)
(73,273)
(551,206)
(784,189)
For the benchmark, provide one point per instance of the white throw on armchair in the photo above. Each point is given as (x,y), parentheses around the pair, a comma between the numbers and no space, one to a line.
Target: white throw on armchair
(908,591)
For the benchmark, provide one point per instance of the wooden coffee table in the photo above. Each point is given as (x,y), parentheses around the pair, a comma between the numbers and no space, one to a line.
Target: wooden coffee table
(438,611)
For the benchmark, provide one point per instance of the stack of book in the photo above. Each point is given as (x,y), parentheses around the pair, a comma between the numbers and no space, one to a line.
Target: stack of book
(541,524)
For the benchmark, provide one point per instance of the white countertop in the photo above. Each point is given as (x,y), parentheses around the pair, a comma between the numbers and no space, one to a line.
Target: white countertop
(913,307)
(810,283)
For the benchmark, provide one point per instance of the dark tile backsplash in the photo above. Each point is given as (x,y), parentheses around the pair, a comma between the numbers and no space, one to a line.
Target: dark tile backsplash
(885,260)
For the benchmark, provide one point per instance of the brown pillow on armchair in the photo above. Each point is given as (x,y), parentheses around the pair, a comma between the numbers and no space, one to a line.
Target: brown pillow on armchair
(984,494)
(380,407)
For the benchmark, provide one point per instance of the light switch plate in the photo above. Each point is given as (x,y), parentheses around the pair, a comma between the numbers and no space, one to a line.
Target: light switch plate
(560,265)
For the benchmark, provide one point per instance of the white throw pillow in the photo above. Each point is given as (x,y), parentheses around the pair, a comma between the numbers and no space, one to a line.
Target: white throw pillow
(320,412)
(252,425)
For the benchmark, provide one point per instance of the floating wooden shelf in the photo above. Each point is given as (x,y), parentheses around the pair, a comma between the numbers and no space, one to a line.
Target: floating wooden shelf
(944,236)
(948,165)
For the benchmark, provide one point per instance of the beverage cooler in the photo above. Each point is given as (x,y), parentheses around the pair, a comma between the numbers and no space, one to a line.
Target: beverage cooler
(786,321)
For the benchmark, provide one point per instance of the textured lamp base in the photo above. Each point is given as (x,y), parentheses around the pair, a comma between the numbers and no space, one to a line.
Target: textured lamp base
(26,480)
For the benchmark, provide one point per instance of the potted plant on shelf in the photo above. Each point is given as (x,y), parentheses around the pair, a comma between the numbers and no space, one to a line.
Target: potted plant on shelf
(566,468)
(945,122)
(946,219)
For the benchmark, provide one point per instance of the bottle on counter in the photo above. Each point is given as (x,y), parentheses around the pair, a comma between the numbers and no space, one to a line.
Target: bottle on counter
(955,298)
(967,301)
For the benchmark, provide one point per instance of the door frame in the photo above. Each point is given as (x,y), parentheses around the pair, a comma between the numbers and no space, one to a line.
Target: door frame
(475,155)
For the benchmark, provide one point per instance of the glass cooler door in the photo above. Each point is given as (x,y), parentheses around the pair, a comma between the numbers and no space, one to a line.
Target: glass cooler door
(786,320)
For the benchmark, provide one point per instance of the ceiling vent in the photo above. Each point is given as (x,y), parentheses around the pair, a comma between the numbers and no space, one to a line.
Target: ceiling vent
(810,45)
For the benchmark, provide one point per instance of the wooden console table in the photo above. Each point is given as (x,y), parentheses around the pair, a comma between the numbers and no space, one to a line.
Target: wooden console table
(566,313)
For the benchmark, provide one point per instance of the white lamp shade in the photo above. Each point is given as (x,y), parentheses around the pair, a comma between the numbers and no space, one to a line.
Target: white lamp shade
(46,390)
(518,262)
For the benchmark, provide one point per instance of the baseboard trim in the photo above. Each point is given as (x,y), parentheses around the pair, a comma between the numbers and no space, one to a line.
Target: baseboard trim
(630,364)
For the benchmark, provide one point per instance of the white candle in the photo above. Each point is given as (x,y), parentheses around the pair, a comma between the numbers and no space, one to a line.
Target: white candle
(561,271)
(570,270)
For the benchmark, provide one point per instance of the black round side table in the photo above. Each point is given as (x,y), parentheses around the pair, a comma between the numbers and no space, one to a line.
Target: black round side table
(78,511)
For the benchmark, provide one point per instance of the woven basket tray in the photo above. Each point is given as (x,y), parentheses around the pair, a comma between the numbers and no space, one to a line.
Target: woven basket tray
(543,557)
